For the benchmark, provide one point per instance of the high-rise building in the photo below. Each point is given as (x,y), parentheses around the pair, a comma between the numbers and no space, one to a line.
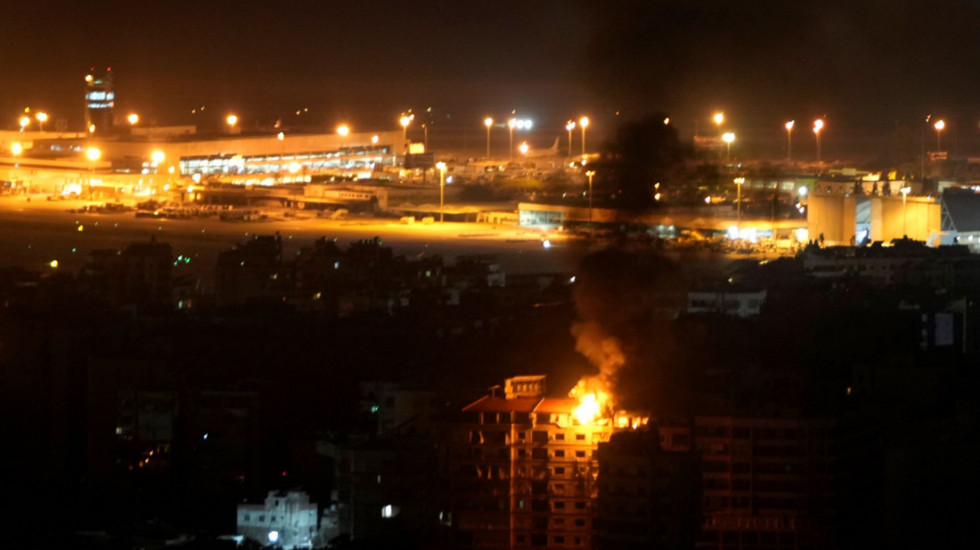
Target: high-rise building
(524,469)
(99,101)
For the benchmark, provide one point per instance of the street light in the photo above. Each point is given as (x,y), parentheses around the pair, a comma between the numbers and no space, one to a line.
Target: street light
(24,121)
(584,123)
(488,122)
(719,119)
(570,126)
(93,154)
(939,126)
(133,119)
(232,120)
(905,193)
(817,128)
(441,166)
(524,148)
(16,149)
(738,206)
(41,117)
(157,157)
(281,137)
(590,174)
(728,138)
(343,130)
(405,120)
(789,139)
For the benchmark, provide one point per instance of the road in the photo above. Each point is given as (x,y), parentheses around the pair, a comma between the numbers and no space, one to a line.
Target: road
(35,232)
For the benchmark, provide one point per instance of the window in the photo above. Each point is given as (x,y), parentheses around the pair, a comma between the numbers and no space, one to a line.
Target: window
(559,471)
(559,454)
(559,539)
(579,454)
(580,522)
(539,436)
(560,505)
(559,437)
(579,437)
(580,505)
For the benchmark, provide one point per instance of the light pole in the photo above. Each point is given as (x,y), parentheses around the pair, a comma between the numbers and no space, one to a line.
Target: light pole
(738,207)
(405,120)
(441,166)
(157,157)
(789,139)
(583,123)
(511,124)
(728,138)
(41,117)
(343,130)
(570,126)
(24,121)
(590,174)
(93,154)
(817,128)
(282,146)
(939,126)
(488,122)
(905,193)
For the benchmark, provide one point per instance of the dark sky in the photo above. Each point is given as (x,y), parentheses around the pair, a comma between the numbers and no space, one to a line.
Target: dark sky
(866,64)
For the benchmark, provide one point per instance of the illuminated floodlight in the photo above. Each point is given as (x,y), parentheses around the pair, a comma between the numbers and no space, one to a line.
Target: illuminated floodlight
(570,126)
(939,125)
(343,130)
(231,120)
(24,121)
(728,137)
(374,140)
(719,118)
(803,191)
(523,124)
(93,153)
(273,537)
(133,119)
(789,125)
(524,148)
(157,156)
(16,149)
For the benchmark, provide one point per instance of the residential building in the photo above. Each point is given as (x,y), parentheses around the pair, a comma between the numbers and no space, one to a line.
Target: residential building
(287,520)
(524,468)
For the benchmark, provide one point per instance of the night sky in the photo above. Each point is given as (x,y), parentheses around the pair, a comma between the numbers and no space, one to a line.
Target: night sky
(865,65)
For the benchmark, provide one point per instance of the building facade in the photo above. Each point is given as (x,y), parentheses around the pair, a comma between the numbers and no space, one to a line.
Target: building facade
(287,520)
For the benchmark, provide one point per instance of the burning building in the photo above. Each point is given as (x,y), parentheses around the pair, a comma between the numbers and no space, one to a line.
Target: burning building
(524,466)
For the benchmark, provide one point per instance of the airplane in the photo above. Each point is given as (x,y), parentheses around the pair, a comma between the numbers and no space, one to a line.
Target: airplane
(529,153)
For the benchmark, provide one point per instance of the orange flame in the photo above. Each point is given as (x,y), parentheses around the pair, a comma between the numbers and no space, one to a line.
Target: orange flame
(595,403)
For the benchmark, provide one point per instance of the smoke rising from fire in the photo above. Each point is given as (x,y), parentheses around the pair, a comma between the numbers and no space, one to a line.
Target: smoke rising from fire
(616,295)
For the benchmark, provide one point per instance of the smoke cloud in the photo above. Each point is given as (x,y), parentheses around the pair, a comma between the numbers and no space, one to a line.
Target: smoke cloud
(617,294)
